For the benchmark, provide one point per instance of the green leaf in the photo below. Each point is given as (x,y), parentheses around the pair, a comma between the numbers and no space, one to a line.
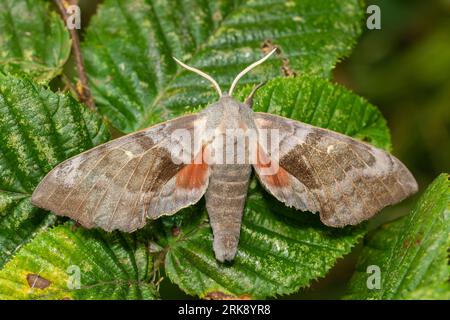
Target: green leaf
(107,265)
(135,81)
(33,40)
(38,130)
(280,249)
(412,252)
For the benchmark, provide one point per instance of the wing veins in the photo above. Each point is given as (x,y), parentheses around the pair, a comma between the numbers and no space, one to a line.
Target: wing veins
(111,218)
(379,180)
(139,196)
(319,180)
(345,174)
(90,171)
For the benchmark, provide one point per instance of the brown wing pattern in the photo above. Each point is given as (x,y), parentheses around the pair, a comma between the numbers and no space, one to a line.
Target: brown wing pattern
(118,184)
(347,181)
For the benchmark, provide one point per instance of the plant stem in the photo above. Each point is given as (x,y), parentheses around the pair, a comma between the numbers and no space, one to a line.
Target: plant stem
(82,88)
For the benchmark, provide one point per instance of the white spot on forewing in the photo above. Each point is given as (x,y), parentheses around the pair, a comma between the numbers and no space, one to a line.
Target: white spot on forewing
(129,154)
(330,148)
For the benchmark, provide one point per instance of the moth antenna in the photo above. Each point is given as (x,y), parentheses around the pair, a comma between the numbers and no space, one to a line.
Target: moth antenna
(201,73)
(249,68)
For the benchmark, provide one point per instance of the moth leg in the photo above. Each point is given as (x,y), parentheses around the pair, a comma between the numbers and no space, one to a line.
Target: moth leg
(249,100)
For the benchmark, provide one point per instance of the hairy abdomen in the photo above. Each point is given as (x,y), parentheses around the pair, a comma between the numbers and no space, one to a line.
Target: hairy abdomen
(225,200)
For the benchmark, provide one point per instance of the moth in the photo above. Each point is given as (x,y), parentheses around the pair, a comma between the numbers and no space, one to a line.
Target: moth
(158,171)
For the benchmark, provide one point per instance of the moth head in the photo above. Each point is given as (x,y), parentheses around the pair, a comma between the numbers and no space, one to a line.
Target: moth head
(235,81)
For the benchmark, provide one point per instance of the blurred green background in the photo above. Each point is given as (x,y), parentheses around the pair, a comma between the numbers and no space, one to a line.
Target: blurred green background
(403,69)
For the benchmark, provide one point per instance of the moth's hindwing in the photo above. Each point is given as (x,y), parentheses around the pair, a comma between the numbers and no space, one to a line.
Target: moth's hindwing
(346,180)
(119,184)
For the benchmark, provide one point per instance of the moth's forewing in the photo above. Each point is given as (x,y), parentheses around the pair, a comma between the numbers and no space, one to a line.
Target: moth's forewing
(346,180)
(119,184)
